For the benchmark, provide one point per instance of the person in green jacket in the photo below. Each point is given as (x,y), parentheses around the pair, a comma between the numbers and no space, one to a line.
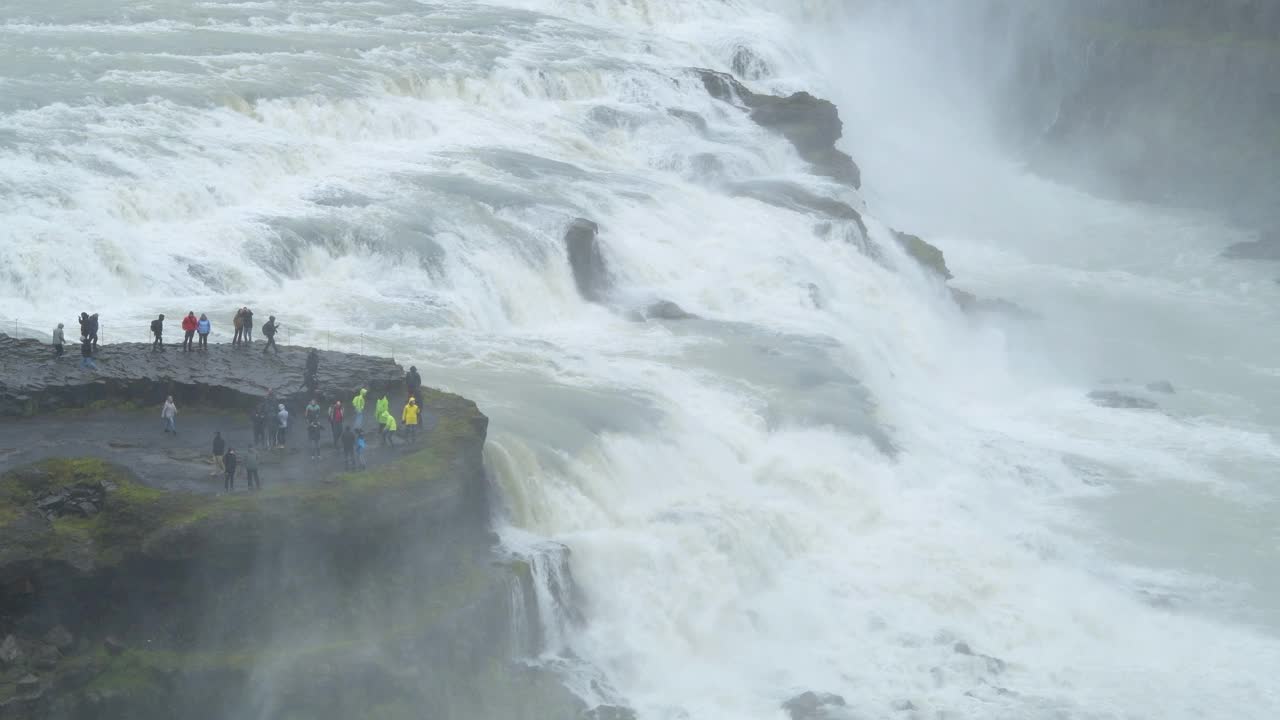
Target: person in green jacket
(357,403)
(383,406)
(388,422)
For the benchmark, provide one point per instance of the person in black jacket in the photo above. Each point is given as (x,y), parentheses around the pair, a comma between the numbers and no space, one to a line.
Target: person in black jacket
(157,329)
(219,449)
(229,462)
(259,418)
(309,379)
(269,329)
(413,383)
(93,331)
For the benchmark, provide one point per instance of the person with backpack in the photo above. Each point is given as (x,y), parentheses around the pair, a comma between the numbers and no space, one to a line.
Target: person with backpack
(335,422)
(229,465)
(269,329)
(188,330)
(58,342)
(282,426)
(203,326)
(251,469)
(259,419)
(157,329)
(410,418)
(357,403)
(413,382)
(348,449)
(219,449)
(93,331)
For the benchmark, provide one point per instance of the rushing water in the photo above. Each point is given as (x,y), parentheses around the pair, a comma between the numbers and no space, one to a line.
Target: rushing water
(779,496)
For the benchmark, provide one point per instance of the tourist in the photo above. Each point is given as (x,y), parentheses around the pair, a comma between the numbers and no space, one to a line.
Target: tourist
(282,426)
(388,422)
(313,434)
(157,329)
(413,382)
(170,416)
(189,330)
(360,446)
(58,342)
(251,469)
(410,418)
(248,326)
(259,419)
(382,407)
(357,403)
(219,449)
(309,380)
(335,421)
(93,331)
(348,449)
(269,329)
(229,465)
(238,323)
(86,354)
(84,324)
(203,326)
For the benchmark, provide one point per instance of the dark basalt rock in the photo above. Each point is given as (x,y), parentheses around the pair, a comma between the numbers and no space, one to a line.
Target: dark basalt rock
(814,706)
(589,270)
(609,712)
(663,310)
(973,304)
(1117,399)
(1161,386)
(31,381)
(929,256)
(811,124)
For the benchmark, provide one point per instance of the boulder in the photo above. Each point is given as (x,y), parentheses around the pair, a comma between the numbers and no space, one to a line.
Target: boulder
(811,124)
(814,706)
(1117,399)
(590,274)
(609,712)
(664,310)
(928,256)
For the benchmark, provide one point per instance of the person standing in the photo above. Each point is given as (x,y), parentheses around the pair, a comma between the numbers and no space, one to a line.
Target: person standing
(58,342)
(219,449)
(189,330)
(229,470)
(248,325)
(203,326)
(86,354)
(357,403)
(170,416)
(413,382)
(269,329)
(360,446)
(348,449)
(238,323)
(381,407)
(312,413)
(309,376)
(282,426)
(93,331)
(157,329)
(259,419)
(313,435)
(335,422)
(84,324)
(410,418)
(251,469)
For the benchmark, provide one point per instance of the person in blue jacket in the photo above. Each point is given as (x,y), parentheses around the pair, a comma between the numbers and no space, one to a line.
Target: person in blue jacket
(203,326)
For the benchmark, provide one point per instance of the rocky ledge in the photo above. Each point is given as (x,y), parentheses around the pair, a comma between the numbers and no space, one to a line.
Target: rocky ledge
(376,594)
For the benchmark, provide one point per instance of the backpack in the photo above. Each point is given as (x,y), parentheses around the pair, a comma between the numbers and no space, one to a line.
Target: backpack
(268,329)
(155,326)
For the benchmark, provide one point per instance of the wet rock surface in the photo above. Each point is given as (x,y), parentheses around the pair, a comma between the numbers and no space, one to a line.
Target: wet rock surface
(811,124)
(590,273)
(816,706)
(1121,400)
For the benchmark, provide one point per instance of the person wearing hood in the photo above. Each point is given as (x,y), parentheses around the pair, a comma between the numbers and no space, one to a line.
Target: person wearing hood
(259,419)
(282,425)
(413,382)
(157,329)
(251,468)
(170,416)
(203,326)
(229,467)
(388,423)
(86,354)
(382,407)
(269,329)
(357,403)
(410,418)
(84,324)
(188,330)
(93,331)
(58,342)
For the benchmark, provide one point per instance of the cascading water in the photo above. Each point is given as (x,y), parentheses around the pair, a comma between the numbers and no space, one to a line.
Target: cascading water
(828,480)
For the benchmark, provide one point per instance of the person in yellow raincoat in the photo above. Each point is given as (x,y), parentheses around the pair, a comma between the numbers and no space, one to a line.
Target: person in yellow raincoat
(410,418)
(388,423)
(357,403)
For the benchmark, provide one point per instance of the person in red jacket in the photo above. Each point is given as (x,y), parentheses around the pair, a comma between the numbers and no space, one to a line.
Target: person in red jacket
(189,330)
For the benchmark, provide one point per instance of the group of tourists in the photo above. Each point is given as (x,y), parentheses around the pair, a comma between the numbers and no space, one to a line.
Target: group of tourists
(192,326)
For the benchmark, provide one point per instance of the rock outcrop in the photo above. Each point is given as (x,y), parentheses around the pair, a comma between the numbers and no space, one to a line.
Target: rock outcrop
(369,594)
(811,124)
(590,273)
(1120,400)
(816,706)
(928,256)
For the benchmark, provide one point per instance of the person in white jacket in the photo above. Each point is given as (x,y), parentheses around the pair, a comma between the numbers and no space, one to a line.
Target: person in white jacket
(282,426)
(170,416)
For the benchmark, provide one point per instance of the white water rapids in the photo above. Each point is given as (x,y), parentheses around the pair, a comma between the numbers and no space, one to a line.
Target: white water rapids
(779,496)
